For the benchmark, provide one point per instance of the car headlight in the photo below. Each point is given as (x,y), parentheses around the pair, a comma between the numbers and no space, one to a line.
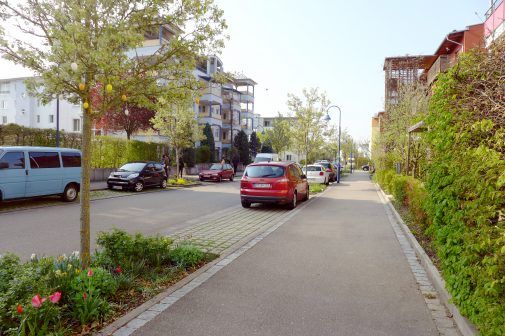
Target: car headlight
(111,175)
(132,176)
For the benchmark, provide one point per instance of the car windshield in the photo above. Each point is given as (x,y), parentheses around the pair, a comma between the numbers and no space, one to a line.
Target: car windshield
(313,168)
(132,167)
(216,167)
(264,171)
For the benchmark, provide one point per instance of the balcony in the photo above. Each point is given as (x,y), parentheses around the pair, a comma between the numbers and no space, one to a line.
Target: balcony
(495,21)
(212,96)
(246,97)
(442,64)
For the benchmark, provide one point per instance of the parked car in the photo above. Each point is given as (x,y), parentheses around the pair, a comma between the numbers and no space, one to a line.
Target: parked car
(331,169)
(138,175)
(365,167)
(266,157)
(316,173)
(39,171)
(273,182)
(218,172)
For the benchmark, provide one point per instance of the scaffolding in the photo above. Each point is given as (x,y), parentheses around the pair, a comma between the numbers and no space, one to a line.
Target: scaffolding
(403,71)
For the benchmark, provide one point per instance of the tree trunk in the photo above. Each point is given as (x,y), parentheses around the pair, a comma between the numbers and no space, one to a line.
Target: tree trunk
(85,189)
(128,135)
(177,162)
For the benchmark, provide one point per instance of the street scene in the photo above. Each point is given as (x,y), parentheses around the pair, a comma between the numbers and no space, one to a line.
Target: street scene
(222,167)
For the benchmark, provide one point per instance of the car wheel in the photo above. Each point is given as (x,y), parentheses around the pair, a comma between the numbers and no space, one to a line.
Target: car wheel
(231,178)
(163,184)
(293,202)
(306,197)
(246,204)
(109,186)
(70,193)
(138,187)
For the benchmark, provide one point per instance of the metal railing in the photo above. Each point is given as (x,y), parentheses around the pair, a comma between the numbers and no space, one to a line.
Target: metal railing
(493,7)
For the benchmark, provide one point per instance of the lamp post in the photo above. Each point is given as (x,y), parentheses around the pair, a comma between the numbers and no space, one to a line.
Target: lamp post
(327,119)
(57,121)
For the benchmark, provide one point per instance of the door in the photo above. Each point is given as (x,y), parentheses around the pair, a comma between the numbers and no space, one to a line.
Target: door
(300,184)
(45,176)
(149,174)
(228,171)
(13,175)
(160,172)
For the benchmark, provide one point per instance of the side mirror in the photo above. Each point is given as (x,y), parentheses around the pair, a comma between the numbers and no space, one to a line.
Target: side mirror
(4,165)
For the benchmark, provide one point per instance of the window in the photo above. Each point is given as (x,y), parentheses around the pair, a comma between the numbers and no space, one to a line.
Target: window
(15,160)
(225,116)
(150,167)
(158,167)
(224,135)
(216,134)
(51,118)
(38,118)
(4,120)
(289,157)
(264,171)
(201,109)
(4,87)
(44,160)
(3,104)
(266,123)
(71,159)
(77,125)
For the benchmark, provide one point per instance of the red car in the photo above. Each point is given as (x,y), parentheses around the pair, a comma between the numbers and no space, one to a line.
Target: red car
(217,172)
(273,182)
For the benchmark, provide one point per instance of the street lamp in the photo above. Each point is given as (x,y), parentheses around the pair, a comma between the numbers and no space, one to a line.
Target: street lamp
(327,119)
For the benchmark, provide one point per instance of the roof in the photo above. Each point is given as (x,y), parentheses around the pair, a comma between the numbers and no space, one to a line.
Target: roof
(272,163)
(401,62)
(447,47)
(38,148)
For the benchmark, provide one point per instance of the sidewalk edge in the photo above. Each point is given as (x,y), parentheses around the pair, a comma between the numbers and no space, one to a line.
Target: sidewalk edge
(465,327)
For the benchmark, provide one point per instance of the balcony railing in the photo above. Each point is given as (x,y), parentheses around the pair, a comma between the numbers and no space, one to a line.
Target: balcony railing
(493,7)
(442,64)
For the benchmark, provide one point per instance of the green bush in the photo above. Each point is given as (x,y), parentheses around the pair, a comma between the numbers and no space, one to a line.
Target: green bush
(466,185)
(203,154)
(186,255)
(189,157)
(133,253)
(398,188)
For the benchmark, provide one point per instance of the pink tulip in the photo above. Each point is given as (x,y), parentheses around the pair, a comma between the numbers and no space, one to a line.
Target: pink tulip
(90,272)
(55,298)
(37,301)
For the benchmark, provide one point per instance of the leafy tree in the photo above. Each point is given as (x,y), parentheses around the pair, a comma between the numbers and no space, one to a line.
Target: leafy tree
(189,156)
(309,125)
(209,141)
(280,136)
(254,144)
(242,145)
(178,123)
(138,118)
(82,50)
(203,154)
(266,147)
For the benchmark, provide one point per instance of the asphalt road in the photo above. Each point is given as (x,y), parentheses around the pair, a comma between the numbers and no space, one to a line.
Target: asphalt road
(55,230)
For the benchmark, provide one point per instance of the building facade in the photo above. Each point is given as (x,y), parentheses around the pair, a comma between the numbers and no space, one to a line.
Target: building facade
(18,107)
(494,26)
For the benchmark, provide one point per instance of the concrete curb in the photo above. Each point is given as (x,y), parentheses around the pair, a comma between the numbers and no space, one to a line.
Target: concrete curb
(120,326)
(465,327)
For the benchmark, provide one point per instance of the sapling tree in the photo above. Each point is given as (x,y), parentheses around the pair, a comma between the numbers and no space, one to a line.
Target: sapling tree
(90,53)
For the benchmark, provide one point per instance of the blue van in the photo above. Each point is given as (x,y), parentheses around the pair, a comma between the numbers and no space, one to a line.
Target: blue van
(39,171)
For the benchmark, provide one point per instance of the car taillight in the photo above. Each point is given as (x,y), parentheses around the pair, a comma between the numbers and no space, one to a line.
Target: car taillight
(321,173)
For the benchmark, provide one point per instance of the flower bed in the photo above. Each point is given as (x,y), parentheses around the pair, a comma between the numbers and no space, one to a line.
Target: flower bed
(55,296)
(180,182)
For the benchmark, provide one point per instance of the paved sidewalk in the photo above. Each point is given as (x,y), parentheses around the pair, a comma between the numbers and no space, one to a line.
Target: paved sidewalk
(335,268)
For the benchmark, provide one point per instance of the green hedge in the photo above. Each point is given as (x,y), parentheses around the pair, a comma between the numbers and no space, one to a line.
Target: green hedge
(107,152)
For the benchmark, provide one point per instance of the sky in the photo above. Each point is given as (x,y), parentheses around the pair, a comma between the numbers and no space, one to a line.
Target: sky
(338,46)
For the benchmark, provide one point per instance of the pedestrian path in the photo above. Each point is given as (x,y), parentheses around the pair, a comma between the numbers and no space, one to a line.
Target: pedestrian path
(334,268)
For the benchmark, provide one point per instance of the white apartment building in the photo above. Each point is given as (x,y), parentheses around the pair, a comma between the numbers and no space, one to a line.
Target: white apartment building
(18,107)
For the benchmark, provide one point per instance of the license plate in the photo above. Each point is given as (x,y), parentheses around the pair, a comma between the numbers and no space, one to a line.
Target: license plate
(261,185)
(117,187)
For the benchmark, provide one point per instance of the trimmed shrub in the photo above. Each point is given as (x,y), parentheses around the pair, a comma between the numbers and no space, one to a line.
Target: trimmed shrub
(186,255)
(398,187)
